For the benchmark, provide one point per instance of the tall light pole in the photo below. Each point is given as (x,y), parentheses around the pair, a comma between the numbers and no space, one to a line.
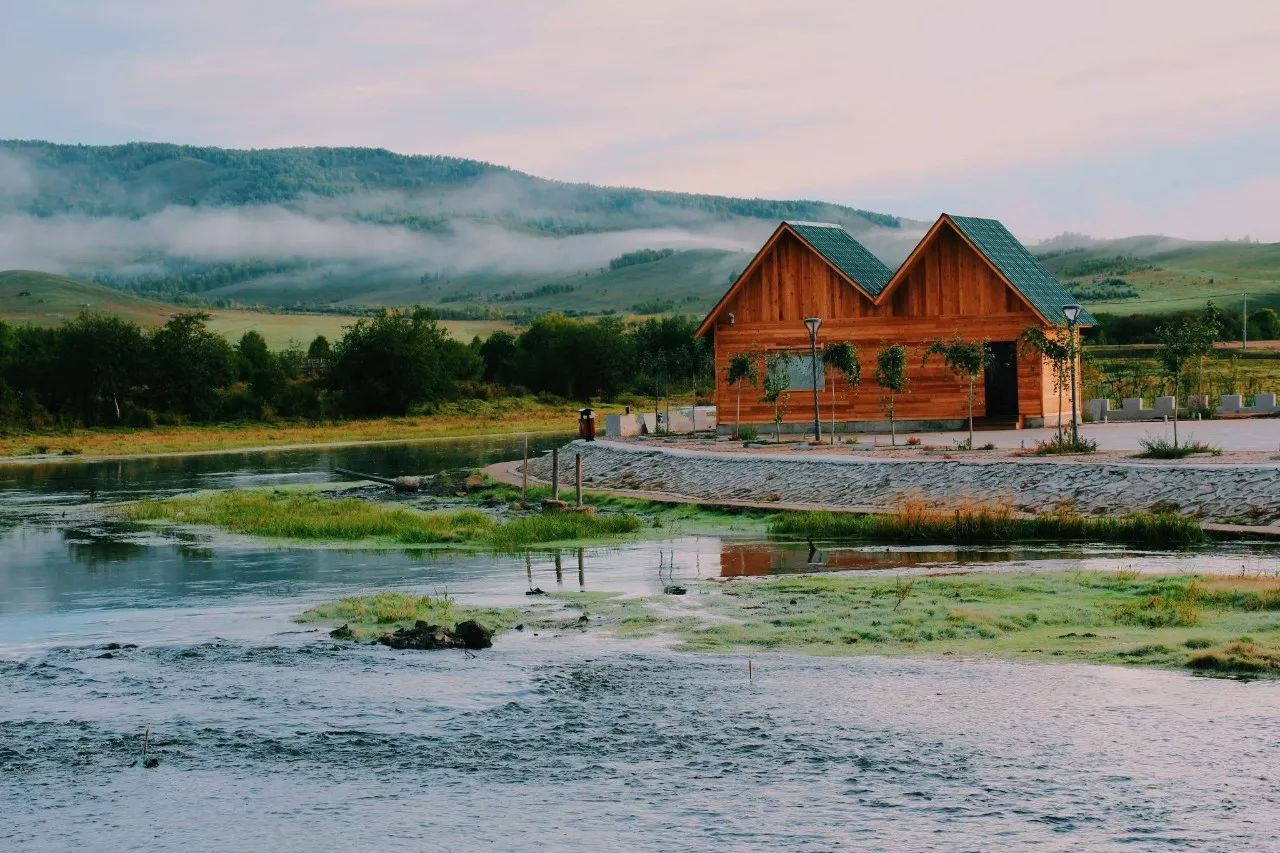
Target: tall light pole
(812,324)
(1072,312)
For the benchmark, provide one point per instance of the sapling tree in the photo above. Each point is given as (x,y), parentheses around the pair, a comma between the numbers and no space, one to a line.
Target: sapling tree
(965,359)
(1181,342)
(891,376)
(1055,349)
(777,385)
(841,358)
(742,368)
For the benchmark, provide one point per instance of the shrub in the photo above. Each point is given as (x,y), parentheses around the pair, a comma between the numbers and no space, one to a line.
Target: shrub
(1062,444)
(1158,448)
(747,432)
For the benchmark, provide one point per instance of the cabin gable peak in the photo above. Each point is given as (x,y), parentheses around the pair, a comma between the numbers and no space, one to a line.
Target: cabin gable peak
(851,261)
(1005,255)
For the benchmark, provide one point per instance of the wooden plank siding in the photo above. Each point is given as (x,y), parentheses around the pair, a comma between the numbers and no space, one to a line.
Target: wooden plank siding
(946,289)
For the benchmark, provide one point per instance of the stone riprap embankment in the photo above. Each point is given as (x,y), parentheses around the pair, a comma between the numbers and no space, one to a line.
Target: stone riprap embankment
(1230,493)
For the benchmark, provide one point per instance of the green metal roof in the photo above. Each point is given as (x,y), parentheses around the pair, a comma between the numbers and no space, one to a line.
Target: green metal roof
(1018,265)
(846,254)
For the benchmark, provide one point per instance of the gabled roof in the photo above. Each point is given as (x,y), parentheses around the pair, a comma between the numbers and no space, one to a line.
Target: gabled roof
(849,258)
(845,254)
(1013,260)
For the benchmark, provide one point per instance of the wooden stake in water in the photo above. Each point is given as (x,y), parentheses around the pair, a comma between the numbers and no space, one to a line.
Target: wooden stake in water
(750,672)
(555,474)
(524,474)
(577,479)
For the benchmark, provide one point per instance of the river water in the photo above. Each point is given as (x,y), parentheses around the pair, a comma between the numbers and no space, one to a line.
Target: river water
(274,737)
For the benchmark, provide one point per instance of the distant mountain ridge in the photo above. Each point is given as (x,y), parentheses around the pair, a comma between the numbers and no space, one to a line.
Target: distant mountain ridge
(361,225)
(355,227)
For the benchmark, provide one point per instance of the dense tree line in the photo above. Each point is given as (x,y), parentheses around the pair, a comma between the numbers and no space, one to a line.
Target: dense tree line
(1263,324)
(99,370)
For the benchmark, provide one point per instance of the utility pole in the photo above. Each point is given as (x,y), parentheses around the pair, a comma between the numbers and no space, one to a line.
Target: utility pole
(1244,321)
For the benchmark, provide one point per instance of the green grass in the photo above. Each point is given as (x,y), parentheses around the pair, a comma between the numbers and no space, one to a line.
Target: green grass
(975,525)
(1063,445)
(369,616)
(1115,373)
(309,516)
(1223,625)
(1159,448)
(1173,277)
(685,517)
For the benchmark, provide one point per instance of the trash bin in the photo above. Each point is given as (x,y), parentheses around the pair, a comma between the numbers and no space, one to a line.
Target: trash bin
(587,424)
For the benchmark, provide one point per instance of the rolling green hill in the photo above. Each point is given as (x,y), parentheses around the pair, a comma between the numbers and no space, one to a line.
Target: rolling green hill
(47,300)
(1149,275)
(686,282)
(43,299)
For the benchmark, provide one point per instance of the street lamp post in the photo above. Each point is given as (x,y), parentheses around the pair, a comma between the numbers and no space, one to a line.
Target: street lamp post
(1072,312)
(812,324)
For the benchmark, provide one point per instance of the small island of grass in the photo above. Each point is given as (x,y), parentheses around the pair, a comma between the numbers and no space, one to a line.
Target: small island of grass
(1211,624)
(366,618)
(315,517)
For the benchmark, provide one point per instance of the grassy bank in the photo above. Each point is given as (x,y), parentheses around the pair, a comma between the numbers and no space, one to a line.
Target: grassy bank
(372,615)
(1221,625)
(312,517)
(476,417)
(918,522)
(685,517)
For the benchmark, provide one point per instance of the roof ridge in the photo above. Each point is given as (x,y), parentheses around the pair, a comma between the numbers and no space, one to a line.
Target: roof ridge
(808,224)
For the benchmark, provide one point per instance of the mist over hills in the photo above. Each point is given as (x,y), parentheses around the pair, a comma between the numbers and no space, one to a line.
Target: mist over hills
(345,228)
(359,226)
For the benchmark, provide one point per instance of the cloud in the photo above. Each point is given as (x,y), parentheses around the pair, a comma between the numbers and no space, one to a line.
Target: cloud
(72,242)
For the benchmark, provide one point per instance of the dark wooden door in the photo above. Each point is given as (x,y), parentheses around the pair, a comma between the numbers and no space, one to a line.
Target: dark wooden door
(1001,381)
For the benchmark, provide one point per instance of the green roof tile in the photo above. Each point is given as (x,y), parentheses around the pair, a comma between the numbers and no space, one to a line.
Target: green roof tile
(847,254)
(1018,265)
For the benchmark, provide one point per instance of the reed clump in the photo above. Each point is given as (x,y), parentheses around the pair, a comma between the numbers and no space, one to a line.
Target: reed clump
(919,521)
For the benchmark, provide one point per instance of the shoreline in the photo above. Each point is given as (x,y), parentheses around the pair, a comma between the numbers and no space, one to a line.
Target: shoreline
(37,459)
(815,481)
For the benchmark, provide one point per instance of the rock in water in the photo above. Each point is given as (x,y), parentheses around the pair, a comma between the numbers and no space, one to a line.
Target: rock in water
(421,636)
(473,634)
(342,632)
(465,635)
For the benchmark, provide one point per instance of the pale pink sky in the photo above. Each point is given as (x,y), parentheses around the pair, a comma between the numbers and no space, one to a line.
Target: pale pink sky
(1109,118)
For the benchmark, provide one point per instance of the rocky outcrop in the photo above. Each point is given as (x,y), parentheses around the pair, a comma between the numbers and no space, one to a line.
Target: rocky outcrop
(465,635)
(1232,493)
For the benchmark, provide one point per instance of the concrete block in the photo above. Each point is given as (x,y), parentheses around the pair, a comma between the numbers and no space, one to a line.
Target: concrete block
(1229,404)
(1097,409)
(1165,407)
(621,426)
(1131,407)
(1265,404)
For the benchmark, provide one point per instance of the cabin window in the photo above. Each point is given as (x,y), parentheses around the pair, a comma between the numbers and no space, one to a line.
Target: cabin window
(800,372)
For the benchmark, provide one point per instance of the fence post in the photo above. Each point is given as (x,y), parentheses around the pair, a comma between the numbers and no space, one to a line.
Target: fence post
(524,474)
(577,474)
(555,474)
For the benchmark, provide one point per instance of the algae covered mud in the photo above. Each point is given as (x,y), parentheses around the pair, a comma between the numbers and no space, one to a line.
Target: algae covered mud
(271,734)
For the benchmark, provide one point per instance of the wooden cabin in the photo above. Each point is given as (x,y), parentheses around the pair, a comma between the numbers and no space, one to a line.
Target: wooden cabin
(967,277)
